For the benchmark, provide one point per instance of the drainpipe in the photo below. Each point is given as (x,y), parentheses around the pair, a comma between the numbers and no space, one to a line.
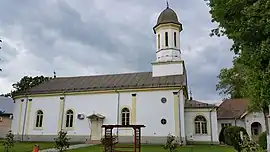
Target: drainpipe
(118,109)
(63,108)
(180,133)
(24,117)
(210,115)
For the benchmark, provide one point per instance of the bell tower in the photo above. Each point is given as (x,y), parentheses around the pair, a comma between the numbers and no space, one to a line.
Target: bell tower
(168,53)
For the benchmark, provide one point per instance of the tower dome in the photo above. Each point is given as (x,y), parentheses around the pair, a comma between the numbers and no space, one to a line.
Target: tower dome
(167,16)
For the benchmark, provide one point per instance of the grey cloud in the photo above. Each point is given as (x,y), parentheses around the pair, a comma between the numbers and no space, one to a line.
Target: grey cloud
(111,37)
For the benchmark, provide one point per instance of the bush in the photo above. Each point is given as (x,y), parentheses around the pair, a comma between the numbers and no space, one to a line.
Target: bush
(62,141)
(250,146)
(8,142)
(232,136)
(171,144)
(221,137)
(262,140)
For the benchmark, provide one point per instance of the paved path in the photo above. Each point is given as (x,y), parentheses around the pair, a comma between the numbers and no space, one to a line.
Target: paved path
(70,147)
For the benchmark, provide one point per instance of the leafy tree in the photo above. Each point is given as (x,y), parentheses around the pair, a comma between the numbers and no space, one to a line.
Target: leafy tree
(62,141)
(250,146)
(246,22)
(8,142)
(263,140)
(232,81)
(26,83)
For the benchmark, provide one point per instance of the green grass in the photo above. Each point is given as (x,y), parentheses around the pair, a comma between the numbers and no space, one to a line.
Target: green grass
(197,148)
(27,146)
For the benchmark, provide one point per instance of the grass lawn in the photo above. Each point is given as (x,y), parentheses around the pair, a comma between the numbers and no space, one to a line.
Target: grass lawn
(197,148)
(27,146)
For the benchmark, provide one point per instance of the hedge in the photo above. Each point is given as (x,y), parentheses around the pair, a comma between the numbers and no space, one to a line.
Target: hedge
(262,140)
(232,136)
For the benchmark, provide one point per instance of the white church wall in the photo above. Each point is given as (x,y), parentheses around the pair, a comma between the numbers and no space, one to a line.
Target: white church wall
(254,117)
(150,111)
(190,115)
(232,122)
(50,108)
(164,69)
(18,115)
(104,104)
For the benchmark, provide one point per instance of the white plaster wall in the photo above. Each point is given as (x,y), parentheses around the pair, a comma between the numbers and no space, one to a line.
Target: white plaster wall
(190,115)
(50,107)
(150,111)
(214,123)
(170,52)
(104,104)
(254,117)
(237,122)
(167,69)
(16,116)
(170,31)
(15,120)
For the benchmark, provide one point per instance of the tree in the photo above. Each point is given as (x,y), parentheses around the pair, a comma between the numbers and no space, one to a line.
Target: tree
(62,141)
(232,81)
(26,83)
(246,22)
(233,136)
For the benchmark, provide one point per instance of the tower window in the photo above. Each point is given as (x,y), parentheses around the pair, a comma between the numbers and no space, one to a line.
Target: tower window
(158,41)
(166,39)
(175,39)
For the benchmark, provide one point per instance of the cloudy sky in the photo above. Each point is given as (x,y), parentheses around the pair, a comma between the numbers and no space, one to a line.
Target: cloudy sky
(105,36)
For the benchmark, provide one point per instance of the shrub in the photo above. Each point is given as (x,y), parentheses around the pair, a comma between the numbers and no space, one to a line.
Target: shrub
(262,140)
(221,137)
(62,141)
(232,136)
(171,144)
(8,142)
(249,145)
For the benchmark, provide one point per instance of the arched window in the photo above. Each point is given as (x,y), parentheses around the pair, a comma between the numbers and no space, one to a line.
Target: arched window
(175,40)
(158,41)
(39,119)
(200,125)
(69,118)
(125,113)
(166,39)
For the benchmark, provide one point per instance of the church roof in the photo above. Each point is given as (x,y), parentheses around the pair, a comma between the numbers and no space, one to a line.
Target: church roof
(167,16)
(108,82)
(232,108)
(198,104)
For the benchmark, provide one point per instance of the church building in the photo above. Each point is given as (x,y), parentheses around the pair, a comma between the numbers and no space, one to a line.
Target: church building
(158,99)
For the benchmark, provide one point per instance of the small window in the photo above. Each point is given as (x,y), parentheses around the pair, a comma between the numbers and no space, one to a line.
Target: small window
(166,39)
(163,121)
(163,100)
(158,41)
(225,125)
(175,40)
(125,113)
(69,118)
(200,125)
(39,119)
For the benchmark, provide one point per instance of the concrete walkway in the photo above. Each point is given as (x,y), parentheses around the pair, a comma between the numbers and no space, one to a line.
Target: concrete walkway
(70,147)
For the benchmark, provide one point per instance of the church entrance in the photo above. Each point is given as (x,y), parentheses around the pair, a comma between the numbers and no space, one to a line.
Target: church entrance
(96,124)
(256,129)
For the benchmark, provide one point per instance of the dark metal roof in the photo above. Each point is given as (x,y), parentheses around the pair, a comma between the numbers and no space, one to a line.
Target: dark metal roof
(6,105)
(108,82)
(167,16)
(232,108)
(197,104)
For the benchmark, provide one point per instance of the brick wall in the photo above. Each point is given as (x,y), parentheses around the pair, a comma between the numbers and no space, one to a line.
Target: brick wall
(5,125)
